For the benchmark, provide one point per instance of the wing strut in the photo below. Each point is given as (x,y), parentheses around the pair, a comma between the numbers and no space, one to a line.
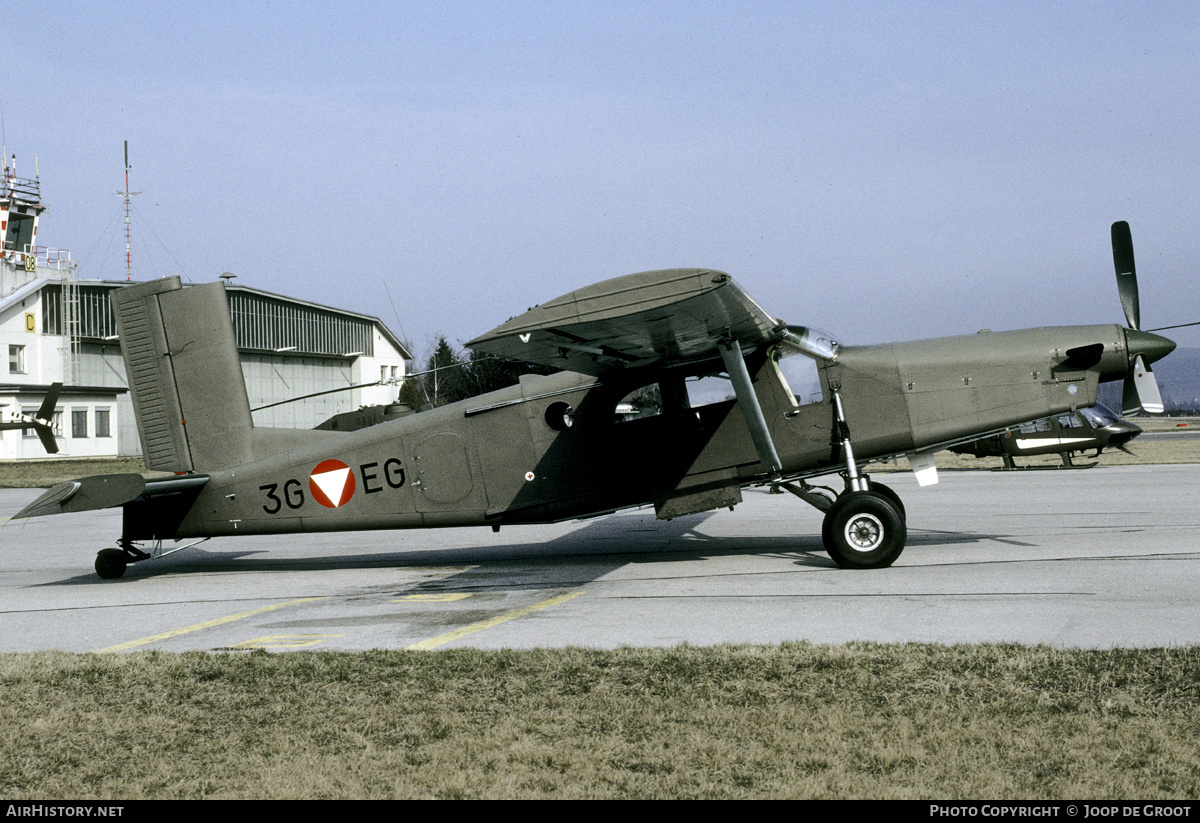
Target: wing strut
(739,375)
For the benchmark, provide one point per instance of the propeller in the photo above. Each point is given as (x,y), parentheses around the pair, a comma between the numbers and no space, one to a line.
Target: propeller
(43,423)
(1141,388)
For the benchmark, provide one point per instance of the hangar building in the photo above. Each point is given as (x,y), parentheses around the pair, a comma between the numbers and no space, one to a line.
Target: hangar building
(55,327)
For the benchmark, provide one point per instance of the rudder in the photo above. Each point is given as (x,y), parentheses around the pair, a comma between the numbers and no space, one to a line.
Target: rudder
(185,376)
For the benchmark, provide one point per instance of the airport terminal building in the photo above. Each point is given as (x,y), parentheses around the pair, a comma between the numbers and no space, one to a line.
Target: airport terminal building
(56,327)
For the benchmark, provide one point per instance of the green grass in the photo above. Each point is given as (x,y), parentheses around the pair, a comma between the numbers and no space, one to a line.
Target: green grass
(795,721)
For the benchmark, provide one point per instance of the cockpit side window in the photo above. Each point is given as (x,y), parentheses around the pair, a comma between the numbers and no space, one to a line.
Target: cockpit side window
(799,374)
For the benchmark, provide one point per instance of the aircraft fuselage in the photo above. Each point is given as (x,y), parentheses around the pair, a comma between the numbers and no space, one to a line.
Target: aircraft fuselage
(510,456)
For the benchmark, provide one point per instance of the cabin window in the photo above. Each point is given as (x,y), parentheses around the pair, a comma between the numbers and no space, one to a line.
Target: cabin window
(709,389)
(1070,421)
(799,374)
(645,401)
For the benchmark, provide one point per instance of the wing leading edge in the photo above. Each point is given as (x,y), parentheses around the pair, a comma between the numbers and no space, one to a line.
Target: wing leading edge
(656,318)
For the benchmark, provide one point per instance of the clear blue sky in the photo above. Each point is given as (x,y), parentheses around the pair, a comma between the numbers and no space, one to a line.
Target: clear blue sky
(883,170)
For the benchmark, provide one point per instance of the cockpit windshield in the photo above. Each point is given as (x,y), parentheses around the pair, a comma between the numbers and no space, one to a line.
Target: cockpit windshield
(1099,416)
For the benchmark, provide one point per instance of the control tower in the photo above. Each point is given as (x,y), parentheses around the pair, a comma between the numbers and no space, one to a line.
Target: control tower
(23,261)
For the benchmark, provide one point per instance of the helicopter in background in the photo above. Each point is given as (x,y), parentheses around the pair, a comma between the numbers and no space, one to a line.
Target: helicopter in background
(1066,435)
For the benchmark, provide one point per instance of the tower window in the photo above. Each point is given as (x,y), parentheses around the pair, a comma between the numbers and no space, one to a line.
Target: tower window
(16,359)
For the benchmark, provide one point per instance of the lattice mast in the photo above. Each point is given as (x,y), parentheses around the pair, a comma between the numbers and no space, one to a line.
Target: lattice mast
(128,195)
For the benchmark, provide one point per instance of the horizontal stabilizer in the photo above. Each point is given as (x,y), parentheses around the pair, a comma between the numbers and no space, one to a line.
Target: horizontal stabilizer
(100,491)
(106,491)
(660,318)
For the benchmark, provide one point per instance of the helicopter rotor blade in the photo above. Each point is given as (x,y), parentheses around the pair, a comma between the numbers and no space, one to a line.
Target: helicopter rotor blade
(47,409)
(42,423)
(46,435)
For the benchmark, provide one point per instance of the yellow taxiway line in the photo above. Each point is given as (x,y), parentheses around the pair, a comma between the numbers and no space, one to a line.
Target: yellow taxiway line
(431,643)
(442,639)
(120,647)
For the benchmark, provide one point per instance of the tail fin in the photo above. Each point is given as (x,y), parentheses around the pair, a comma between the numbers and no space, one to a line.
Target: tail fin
(185,375)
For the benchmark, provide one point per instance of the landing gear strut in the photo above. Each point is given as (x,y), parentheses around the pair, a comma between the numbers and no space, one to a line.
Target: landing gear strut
(111,563)
(865,527)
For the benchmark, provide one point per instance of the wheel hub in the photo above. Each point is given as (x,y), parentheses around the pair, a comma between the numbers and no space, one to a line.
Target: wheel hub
(864,532)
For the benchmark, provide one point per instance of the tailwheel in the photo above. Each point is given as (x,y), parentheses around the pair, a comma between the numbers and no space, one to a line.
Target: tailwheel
(864,530)
(111,563)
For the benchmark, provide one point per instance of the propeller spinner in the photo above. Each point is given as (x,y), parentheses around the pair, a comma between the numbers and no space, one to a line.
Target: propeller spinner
(1141,388)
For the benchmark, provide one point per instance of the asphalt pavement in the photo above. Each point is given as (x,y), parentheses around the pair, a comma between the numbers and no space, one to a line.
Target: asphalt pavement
(1100,558)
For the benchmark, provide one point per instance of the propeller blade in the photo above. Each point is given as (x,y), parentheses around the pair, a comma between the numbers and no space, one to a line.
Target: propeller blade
(1141,390)
(1122,243)
(1129,399)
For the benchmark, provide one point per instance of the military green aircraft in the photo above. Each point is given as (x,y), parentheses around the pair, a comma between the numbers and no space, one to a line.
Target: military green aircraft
(1096,428)
(42,422)
(726,397)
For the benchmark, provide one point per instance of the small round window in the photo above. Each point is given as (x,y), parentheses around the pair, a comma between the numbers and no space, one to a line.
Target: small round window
(560,416)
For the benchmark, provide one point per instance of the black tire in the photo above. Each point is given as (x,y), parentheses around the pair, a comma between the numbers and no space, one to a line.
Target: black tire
(891,495)
(111,563)
(864,530)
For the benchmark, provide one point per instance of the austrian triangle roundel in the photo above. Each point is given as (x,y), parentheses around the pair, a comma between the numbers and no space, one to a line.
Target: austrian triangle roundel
(331,483)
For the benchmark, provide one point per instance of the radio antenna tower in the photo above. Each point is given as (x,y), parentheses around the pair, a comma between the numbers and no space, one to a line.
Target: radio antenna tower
(127,194)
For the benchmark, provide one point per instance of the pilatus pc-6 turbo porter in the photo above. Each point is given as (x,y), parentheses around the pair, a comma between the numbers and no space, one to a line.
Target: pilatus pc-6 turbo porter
(791,404)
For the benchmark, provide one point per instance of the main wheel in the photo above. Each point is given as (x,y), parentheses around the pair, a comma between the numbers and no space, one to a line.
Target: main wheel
(864,530)
(887,492)
(111,563)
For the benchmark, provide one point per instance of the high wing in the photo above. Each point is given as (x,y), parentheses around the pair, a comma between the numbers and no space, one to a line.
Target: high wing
(656,318)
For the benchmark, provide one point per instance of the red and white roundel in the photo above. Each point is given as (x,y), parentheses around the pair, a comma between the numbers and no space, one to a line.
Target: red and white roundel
(331,483)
